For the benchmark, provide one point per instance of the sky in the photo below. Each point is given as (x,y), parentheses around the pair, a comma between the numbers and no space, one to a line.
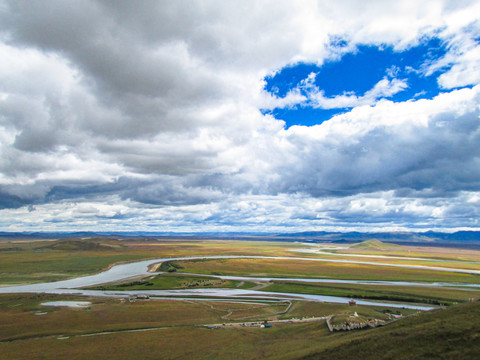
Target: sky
(239,116)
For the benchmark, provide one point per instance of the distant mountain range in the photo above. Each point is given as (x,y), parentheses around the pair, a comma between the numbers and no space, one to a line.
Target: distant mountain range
(428,236)
(459,238)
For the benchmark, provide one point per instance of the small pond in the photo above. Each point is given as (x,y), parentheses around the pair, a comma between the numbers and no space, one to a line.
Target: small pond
(74,304)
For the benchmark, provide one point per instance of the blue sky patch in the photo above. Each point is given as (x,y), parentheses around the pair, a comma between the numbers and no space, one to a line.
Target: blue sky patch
(303,115)
(355,75)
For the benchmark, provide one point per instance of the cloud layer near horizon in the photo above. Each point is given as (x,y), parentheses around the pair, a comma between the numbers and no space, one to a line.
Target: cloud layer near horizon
(115,116)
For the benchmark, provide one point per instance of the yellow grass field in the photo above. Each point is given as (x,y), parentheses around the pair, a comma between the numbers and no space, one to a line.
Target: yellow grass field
(318,269)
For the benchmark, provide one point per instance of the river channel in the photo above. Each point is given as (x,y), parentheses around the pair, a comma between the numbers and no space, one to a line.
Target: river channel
(139,268)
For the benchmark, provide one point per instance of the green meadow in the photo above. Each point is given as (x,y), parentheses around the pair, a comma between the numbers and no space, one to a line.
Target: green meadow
(173,281)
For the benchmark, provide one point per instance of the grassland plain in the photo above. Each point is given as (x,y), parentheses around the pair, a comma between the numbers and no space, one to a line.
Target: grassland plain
(26,334)
(279,342)
(20,319)
(443,334)
(41,261)
(314,269)
(446,263)
(108,328)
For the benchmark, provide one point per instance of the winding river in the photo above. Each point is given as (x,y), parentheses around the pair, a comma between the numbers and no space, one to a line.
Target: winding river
(139,268)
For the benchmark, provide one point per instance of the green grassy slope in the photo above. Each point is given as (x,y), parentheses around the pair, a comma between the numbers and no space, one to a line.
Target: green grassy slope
(453,333)
(373,244)
(83,244)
